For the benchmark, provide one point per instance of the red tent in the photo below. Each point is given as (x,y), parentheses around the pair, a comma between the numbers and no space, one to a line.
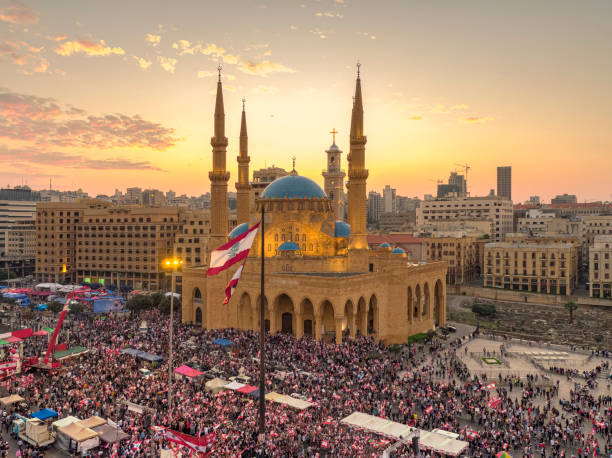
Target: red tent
(42,332)
(187,371)
(246,389)
(22,333)
(13,339)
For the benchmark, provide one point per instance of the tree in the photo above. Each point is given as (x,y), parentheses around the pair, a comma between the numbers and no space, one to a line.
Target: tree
(483,309)
(571,306)
(55,306)
(76,308)
(139,302)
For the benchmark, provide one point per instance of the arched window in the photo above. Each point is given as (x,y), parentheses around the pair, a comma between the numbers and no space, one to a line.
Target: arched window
(303,237)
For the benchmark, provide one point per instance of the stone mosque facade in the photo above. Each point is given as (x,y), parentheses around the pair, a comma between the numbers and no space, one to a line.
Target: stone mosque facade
(321,279)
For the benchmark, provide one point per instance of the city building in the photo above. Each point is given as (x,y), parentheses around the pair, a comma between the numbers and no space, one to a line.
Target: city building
(564,199)
(600,273)
(321,277)
(153,197)
(456,187)
(397,222)
(120,245)
(542,267)
(459,251)
(133,196)
(263,177)
(376,206)
(12,211)
(389,199)
(496,210)
(504,182)
(21,240)
(334,179)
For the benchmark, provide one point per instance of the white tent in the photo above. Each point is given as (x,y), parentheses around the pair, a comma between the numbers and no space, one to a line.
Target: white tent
(430,440)
(48,286)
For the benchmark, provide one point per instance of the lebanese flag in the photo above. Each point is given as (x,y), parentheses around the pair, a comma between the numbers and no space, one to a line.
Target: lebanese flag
(494,402)
(428,410)
(233,284)
(232,252)
(491,386)
(201,444)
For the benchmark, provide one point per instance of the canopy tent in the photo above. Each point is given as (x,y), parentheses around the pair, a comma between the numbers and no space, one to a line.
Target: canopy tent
(234,386)
(255,393)
(22,333)
(223,342)
(70,352)
(64,421)
(13,339)
(40,308)
(110,434)
(48,329)
(40,332)
(4,342)
(44,414)
(10,400)
(40,293)
(92,422)
(299,404)
(429,440)
(215,385)
(188,371)
(142,355)
(246,389)
(130,351)
(48,286)
(85,438)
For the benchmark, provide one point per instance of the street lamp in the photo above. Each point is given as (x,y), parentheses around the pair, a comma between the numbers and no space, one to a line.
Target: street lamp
(171,265)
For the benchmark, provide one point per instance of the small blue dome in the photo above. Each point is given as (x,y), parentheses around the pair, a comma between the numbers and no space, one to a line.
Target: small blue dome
(342,229)
(238,230)
(384,245)
(288,246)
(293,187)
(398,250)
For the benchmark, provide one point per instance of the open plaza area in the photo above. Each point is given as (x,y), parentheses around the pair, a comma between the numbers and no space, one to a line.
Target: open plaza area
(466,395)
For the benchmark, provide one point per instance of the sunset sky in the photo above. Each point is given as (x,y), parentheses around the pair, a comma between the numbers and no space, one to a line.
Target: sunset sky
(111,94)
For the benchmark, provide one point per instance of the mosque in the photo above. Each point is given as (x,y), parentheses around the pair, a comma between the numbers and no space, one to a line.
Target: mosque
(321,278)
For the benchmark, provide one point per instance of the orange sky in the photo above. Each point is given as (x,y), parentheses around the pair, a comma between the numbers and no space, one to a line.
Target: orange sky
(482,83)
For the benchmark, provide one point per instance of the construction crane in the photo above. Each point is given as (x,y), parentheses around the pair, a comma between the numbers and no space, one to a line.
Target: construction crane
(436,181)
(465,167)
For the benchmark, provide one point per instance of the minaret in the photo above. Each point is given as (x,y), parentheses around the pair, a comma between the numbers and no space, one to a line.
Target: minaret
(334,178)
(219,176)
(243,188)
(357,174)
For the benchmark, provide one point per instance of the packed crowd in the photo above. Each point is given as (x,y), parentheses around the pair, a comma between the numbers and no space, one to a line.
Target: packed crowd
(426,386)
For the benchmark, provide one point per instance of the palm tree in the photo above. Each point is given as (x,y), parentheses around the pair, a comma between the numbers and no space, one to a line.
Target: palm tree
(571,306)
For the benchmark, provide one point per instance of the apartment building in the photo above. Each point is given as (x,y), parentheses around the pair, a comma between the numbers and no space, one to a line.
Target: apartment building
(536,267)
(600,272)
(495,210)
(460,252)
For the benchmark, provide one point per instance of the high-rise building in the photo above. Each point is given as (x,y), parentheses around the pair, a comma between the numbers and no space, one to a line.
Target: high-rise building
(12,211)
(375,206)
(456,186)
(504,182)
(600,270)
(389,198)
(153,197)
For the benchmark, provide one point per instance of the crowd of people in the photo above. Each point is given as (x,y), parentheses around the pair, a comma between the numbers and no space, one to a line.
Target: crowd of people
(425,386)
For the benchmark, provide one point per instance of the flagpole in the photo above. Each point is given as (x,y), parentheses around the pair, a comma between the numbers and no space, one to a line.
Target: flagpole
(262,339)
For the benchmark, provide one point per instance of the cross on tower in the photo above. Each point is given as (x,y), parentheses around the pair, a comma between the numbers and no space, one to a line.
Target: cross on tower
(243,101)
(219,68)
(293,158)
(334,132)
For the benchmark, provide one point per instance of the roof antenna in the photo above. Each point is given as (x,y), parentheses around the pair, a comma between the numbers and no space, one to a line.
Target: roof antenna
(243,102)
(219,68)
(358,66)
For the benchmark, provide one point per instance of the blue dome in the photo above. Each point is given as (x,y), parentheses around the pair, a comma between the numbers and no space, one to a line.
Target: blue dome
(342,229)
(238,230)
(288,246)
(384,245)
(398,250)
(293,187)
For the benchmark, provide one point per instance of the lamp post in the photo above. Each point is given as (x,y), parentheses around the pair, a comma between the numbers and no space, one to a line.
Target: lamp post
(172,265)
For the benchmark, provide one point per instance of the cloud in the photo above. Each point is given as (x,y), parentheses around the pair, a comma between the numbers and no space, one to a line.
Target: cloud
(445,109)
(153,40)
(416,118)
(293,27)
(476,119)
(88,47)
(34,156)
(263,68)
(209,73)
(319,33)
(372,37)
(212,49)
(25,56)
(18,13)
(329,14)
(168,64)
(57,38)
(43,123)
(261,89)
(142,62)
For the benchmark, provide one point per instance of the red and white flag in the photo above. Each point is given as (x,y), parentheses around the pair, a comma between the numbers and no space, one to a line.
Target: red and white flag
(491,386)
(494,403)
(232,285)
(232,252)
(428,410)
(201,445)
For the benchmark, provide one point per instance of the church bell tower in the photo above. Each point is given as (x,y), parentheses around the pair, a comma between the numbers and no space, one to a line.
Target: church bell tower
(334,178)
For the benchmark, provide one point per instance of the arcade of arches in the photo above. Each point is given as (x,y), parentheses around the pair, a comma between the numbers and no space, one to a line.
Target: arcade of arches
(333,319)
